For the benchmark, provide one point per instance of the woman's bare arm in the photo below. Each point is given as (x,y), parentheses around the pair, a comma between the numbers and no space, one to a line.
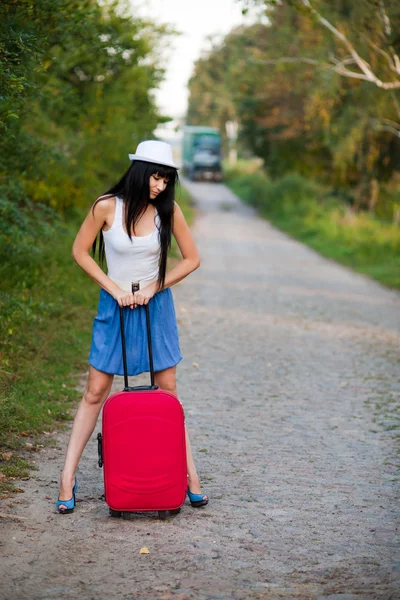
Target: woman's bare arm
(88,232)
(190,258)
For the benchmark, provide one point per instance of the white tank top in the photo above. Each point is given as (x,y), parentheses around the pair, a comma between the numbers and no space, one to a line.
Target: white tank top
(131,260)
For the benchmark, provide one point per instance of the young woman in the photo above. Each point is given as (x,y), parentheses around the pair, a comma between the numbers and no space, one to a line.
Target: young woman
(135,219)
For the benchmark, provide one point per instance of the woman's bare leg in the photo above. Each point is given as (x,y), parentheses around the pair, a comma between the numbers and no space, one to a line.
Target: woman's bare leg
(96,392)
(166,380)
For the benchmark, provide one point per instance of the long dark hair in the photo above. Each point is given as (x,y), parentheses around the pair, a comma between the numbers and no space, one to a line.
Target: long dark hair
(134,189)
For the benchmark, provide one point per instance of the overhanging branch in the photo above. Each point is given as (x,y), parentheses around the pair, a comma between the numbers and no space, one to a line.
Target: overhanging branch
(366,70)
(338,67)
(386,125)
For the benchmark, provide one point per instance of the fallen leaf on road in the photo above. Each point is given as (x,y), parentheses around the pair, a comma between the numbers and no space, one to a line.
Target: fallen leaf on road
(144,550)
(6,455)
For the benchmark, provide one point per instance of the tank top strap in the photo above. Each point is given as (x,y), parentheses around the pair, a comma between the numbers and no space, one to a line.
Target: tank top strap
(119,209)
(157,219)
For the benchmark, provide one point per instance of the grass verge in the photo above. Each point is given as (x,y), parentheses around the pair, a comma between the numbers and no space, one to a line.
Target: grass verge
(314,216)
(45,337)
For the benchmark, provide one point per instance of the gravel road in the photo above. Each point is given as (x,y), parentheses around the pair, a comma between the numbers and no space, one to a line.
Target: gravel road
(290,384)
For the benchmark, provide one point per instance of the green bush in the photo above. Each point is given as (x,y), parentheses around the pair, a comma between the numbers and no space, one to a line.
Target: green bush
(77,85)
(26,229)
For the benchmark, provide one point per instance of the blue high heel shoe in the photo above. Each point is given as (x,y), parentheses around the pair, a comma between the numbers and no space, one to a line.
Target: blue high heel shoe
(70,504)
(197,500)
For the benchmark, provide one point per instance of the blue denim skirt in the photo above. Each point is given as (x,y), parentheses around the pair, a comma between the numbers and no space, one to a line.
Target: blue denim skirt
(106,350)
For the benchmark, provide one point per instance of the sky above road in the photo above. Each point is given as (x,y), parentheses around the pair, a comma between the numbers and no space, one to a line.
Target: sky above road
(196,19)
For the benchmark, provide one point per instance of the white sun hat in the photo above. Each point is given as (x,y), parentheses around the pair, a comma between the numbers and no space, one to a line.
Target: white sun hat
(155,152)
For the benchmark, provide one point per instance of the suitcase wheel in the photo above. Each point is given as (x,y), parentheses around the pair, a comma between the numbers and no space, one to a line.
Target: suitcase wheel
(163,514)
(115,513)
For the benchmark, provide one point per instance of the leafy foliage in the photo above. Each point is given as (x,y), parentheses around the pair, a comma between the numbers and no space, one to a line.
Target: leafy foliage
(77,80)
(276,78)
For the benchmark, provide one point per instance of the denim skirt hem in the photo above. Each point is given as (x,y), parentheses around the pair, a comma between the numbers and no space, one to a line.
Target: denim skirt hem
(106,349)
(136,372)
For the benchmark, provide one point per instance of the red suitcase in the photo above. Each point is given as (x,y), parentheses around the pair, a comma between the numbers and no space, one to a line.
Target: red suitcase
(142,446)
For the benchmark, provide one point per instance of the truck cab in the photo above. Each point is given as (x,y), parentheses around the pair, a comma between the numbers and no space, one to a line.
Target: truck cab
(202,153)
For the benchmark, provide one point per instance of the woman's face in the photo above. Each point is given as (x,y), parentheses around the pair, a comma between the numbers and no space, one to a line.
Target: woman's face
(157,185)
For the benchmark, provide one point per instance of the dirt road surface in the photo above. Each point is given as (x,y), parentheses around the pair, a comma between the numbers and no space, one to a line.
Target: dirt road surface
(290,384)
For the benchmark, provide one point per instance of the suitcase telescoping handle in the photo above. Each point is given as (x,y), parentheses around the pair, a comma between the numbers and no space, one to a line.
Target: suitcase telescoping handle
(137,388)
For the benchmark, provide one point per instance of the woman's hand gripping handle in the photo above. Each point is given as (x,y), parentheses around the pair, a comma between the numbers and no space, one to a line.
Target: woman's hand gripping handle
(143,296)
(137,297)
(125,298)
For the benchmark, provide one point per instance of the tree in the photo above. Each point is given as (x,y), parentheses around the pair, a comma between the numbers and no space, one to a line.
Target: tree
(375,34)
(299,115)
(78,79)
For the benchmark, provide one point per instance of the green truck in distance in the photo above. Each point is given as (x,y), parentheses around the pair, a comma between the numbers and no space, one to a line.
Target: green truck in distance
(201,153)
